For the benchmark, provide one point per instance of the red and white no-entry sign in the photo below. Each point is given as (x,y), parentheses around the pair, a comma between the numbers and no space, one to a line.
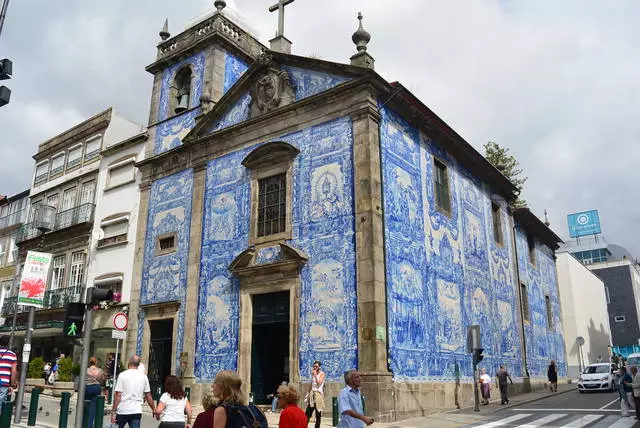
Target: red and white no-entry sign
(120,321)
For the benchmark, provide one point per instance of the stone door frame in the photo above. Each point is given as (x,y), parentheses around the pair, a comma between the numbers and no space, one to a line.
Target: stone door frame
(156,312)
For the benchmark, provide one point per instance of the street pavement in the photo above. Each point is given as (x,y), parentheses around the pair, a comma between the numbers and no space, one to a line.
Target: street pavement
(566,408)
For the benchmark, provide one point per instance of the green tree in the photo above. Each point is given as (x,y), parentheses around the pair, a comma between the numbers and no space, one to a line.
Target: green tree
(65,369)
(36,368)
(508,165)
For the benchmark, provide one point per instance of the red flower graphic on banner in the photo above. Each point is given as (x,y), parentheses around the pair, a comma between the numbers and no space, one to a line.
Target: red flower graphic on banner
(32,287)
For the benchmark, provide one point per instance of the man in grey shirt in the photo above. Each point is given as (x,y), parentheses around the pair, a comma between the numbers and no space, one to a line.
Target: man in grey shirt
(502,376)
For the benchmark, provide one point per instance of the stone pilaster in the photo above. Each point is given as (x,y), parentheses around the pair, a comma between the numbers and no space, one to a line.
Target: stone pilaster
(371,287)
(193,275)
(136,276)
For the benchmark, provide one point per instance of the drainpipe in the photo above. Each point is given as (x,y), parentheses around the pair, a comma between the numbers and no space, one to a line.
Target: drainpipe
(527,379)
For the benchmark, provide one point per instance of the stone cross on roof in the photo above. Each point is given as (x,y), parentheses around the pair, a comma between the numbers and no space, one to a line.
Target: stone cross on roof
(280,8)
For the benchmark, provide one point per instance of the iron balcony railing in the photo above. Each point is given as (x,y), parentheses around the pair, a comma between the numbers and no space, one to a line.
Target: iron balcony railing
(80,214)
(12,219)
(53,299)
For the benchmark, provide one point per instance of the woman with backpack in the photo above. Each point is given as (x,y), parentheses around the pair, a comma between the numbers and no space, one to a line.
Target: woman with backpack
(173,405)
(232,410)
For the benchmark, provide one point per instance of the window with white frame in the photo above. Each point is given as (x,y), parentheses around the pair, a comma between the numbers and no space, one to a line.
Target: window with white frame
(68,199)
(75,157)
(13,251)
(52,200)
(2,251)
(114,230)
(619,318)
(93,147)
(121,173)
(76,271)
(42,172)
(57,272)
(57,164)
(88,191)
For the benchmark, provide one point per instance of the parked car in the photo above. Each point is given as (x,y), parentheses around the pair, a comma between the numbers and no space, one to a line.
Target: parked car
(597,377)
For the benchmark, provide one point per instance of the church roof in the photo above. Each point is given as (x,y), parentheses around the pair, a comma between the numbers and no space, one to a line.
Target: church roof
(536,227)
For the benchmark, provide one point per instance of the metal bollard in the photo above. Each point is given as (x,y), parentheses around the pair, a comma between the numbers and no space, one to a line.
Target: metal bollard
(109,389)
(364,412)
(187,391)
(335,411)
(98,422)
(85,414)
(5,417)
(64,410)
(33,407)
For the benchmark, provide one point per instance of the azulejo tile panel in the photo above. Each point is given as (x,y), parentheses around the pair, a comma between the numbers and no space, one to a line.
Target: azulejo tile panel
(164,277)
(169,134)
(197,64)
(234,68)
(323,228)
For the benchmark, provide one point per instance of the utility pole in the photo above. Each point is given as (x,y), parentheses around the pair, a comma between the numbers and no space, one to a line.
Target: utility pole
(3,13)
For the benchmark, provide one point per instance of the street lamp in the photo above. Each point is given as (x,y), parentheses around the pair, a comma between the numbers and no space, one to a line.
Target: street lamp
(44,221)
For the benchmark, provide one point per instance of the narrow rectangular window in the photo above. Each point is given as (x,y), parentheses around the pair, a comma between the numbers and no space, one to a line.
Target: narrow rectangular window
(497,223)
(57,275)
(531,243)
(272,205)
(57,164)
(76,273)
(120,175)
(2,251)
(13,251)
(68,199)
(606,293)
(52,201)
(441,186)
(547,301)
(88,191)
(75,157)
(524,296)
(42,172)
(93,148)
(167,243)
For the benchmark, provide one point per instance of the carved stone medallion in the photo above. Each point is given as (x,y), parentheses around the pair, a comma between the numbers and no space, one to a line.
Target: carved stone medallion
(272,90)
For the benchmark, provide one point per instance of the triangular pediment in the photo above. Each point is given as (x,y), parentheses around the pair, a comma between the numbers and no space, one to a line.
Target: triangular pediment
(273,81)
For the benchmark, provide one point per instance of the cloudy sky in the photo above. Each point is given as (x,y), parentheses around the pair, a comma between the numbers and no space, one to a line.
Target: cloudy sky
(555,81)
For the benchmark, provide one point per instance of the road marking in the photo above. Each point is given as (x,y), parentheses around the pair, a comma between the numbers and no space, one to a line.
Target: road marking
(544,421)
(505,421)
(624,423)
(565,410)
(583,421)
(613,402)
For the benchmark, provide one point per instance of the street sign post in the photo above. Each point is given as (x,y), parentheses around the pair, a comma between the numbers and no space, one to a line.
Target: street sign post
(120,324)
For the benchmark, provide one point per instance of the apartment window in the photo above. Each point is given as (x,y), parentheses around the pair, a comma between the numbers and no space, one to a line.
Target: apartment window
(497,223)
(93,148)
(57,164)
(75,157)
(6,287)
(619,318)
(531,243)
(606,294)
(115,230)
(76,272)
(57,269)
(441,186)
(13,251)
(524,296)
(121,173)
(547,302)
(88,191)
(42,171)
(4,210)
(272,205)
(3,249)
(52,201)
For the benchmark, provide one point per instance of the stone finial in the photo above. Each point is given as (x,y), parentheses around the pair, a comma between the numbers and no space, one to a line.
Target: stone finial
(164,34)
(361,37)
(220,4)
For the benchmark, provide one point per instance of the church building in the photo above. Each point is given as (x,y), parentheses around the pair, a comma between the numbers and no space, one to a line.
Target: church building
(294,209)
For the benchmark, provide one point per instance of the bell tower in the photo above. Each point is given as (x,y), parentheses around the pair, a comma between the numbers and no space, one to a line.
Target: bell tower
(193,70)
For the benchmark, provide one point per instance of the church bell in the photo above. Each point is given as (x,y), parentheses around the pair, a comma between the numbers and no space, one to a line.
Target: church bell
(183,103)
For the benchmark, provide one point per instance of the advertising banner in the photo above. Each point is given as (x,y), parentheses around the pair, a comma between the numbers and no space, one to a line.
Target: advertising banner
(33,282)
(584,223)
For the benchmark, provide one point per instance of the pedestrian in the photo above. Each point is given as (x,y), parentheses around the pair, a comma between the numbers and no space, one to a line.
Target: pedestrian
(350,403)
(274,398)
(485,386)
(132,388)
(552,375)
(47,371)
(205,418)
(292,416)
(94,381)
(502,376)
(173,405)
(142,367)
(8,363)
(316,393)
(636,389)
(626,392)
(232,410)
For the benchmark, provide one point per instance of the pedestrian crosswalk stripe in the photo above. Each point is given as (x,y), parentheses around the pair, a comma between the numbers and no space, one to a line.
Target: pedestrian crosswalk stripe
(505,421)
(543,421)
(583,421)
(624,423)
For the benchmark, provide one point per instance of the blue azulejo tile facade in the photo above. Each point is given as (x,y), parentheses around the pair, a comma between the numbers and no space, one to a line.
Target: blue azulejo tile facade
(234,68)
(543,329)
(323,228)
(444,271)
(196,63)
(164,276)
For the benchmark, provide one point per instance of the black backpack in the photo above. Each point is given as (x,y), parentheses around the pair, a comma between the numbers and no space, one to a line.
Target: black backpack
(245,417)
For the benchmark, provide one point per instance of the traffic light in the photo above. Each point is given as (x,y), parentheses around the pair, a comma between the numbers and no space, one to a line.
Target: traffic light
(97,295)
(74,320)
(477,355)
(6,70)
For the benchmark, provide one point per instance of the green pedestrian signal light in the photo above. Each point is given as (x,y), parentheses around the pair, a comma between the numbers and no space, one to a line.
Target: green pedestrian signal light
(74,320)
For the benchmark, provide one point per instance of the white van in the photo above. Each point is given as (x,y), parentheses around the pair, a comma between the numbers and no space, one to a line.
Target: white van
(633,360)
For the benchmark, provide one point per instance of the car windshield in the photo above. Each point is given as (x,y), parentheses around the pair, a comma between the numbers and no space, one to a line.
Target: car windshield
(596,369)
(633,361)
